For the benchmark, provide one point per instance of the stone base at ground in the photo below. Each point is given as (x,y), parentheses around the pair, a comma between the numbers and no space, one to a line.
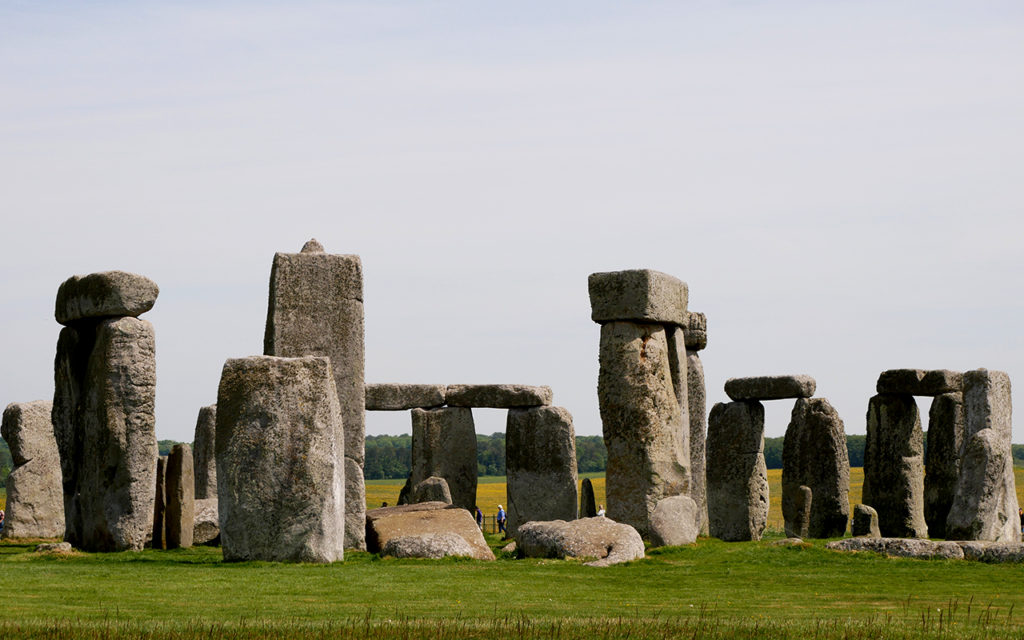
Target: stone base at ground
(428,545)
(423,519)
(900,547)
(206,526)
(675,522)
(607,541)
(865,522)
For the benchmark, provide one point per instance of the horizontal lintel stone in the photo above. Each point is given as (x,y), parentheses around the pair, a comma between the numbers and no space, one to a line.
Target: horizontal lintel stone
(637,295)
(920,382)
(770,387)
(497,396)
(401,397)
(107,294)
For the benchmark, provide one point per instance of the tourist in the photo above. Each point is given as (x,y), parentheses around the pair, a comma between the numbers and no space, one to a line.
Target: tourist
(479,517)
(501,519)
(1,520)
(1020,517)
(600,511)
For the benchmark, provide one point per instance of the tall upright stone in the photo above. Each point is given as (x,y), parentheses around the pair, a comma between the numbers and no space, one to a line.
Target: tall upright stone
(894,466)
(697,340)
(181,497)
(540,460)
(444,445)
(204,459)
(985,504)
(588,503)
(105,383)
(160,505)
(280,460)
(35,498)
(736,473)
(814,456)
(316,308)
(942,459)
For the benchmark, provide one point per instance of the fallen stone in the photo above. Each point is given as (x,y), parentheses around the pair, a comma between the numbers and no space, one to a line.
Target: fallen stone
(425,518)
(918,382)
(206,527)
(104,295)
(35,497)
(606,541)
(509,548)
(54,547)
(444,445)
(540,463)
(674,522)
(497,396)
(737,479)
(770,387)
(697,401)
(402,397)
(204,461)
(637,295)
(789,542)
(942,459)
(280,460)
(696,329)
(159,540)
(588,504)
(900,547)
(433,489)
(814,455)
(894,466)
(428,545)
(865,522)
(992,551)
(180,487)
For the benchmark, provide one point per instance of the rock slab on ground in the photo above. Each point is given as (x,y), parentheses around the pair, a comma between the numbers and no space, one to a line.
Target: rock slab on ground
(402,397)
(35,495)
(424,519)
(814,455)
(900,547)
(540,462)
(603,539)
(737,478)
(770,387)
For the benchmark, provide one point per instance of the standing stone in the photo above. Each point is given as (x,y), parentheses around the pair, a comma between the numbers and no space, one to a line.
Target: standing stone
(985,504)
(180,487)
(697,401)
(444,445)
(865,522)
(280,460)
(942,459)
(799,523)
(814,454)
(206,527)
(35,499)
(674,522)
(894,466)
(203,458)
(736,473)
(588,503)
(433,489)
(540,460)
(160,505)
(316,308)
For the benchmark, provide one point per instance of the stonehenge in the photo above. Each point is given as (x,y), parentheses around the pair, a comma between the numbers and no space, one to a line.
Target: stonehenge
(159,539)
(737,479)
(696,339)
(540,463)
(894,466)
(588,505)
(179,492)
(444,445)
(426,529)
(204,461)
(35,498)
(815,460)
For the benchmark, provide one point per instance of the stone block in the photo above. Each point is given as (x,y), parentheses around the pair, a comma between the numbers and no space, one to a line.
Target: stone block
(206,525)
(35,495)
(637,295)
(402,397)
(180,488)
(444,445)
(203,453)
(993,552)
(497,396)
(894,466)
(588,504)
(814,455)
(770,387)
(737,479)
(608,541)
(919,382)
(424,519)
(109,294)
(865,522)
(540,461)
(900,547)
(674,522)
(433,489)
(697,403)
(696,329)
(942,459)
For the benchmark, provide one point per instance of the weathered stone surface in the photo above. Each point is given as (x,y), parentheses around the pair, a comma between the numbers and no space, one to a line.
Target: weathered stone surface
(588,505)
(800,502)
(789,542)
(737,479)
(105,375)
(280,460)
(104,295)
(645,432)
(607,541)
(54,547)
(423,519)
(181,482)
(540,462)
(637,295)
(985,504)
(865,522)
(992,551)
(894,466)
(312,246)
(942,459)
(814,454)
(428,545)
(674,522)
(770,387)
(444,445)
(159,540)
(433,489)
(696,328)
(402,397)
(206,525)
(697,400)
(316,309)
(918,382)
(900,547)
(204,460)
(35,497)
(497,396)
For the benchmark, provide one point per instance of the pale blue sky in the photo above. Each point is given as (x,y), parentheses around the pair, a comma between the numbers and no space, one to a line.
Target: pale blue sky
(839,183)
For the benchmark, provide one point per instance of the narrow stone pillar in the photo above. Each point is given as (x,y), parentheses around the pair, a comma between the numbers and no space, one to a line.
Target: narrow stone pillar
(540,460)
(204,461)
(894,466)
(444,445)
(35,498)
(737,478)
(588,503)
(696,341)
(160,505)
(942,459)
(180,496)
(316,308)
(814,455)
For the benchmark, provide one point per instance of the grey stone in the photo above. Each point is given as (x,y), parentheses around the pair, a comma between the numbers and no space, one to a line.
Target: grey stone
(918,382)
(588,504)
(433,489)
(444,445)
(736,474)
(280,460)
(993,552)
(159,540)
(206,525)
(54,547)
(637,295)
(104,295)
(402,397)
(203,453)
(942,459)
(181,483)
(800,502)
(697,400)
(645,431)
(540,462)
(497,396)
(865,522)
(814,454)
(35,497)
(985,504)
(423,519)
(770,387)
(428,545)
(312,246)
(894,466)
(900,547)
(696,328)
(606,541)
(674,522)
(789,542)
(105,375)
(316,309)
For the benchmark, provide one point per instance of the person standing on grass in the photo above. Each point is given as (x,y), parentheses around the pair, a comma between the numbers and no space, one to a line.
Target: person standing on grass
(1,520)
(501,519)
(479,517)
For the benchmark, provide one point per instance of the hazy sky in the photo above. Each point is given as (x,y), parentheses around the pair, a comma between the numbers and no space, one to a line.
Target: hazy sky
(840,183)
